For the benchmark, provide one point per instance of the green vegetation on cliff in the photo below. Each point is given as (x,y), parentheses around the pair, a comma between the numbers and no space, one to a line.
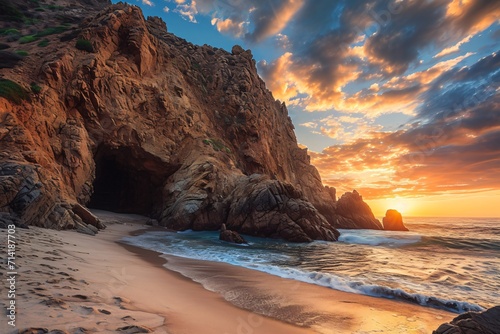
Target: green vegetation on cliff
(217,145)
(84,45)
(13,91)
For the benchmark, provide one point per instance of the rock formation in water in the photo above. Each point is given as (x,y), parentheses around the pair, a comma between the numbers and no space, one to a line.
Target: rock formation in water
(393,221)
(230,236)
(108,110)
(487,322)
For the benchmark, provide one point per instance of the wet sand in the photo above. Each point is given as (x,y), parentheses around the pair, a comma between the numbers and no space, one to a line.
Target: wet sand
(82,284)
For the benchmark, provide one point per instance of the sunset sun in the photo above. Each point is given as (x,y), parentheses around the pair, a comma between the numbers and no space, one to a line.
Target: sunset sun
(400,204)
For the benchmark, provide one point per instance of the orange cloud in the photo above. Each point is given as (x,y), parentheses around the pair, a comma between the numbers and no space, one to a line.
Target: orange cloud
(237,29)
(454,48)
(331,61)
(287,79)
(281,16)
(438,158)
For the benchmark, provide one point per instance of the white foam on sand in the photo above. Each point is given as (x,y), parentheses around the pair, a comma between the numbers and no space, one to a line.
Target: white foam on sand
(260,260)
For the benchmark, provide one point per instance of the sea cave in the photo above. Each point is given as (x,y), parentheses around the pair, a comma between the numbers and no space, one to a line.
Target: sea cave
(123,184)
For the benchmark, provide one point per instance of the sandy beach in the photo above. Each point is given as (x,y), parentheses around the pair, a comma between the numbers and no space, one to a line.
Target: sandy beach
(74,283)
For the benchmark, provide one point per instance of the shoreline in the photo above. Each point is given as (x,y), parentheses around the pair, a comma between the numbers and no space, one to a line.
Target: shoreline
(74,282)
(316,308)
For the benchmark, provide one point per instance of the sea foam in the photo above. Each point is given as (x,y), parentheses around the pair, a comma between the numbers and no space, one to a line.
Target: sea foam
(376,238)
(208,249)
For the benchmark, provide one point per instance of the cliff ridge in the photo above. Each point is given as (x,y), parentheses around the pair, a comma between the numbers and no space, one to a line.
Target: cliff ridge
(117,113)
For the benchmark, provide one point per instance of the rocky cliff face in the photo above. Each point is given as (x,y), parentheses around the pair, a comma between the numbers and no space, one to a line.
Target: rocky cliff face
(116,113)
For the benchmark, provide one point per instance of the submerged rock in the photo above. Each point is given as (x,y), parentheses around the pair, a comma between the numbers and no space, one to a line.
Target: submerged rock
(393,221)
(230,236)
(487,322)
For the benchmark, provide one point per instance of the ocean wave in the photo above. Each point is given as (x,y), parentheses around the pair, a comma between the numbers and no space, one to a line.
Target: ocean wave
(347,284)
(378,238)
(259,260)
(462,243)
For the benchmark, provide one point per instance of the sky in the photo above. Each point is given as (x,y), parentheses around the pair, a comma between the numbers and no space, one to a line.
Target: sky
(396,99)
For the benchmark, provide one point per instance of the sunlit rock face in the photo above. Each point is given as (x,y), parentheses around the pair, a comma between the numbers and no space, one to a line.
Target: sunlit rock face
(393,221)
(141,121)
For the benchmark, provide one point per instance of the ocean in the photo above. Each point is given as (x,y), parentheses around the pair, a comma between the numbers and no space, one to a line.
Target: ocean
(447,263)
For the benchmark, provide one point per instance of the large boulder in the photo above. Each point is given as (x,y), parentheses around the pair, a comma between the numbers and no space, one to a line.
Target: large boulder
(393,221)
(263,207)
(87,216)
(487,322)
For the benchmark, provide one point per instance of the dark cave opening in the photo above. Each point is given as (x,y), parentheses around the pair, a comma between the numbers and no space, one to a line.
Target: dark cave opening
(123,184)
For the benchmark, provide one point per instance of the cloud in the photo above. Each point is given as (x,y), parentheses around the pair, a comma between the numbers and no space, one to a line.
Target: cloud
(400,37)
(454,48)
(311,125)
(253,20)
(466,17)
(360,61)
(282,41)
(186,11)
(280,78)
(229,26)
(148,3)
(336,44)
(344,128)
(166,9)
(451,146)
(270,17)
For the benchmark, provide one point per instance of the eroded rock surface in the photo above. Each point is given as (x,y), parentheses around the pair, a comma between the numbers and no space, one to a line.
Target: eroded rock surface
(144,122)
(487,322)
(230,236)
(353,212)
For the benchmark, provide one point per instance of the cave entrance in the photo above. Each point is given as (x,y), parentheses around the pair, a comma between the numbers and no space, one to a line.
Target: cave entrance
(124,183)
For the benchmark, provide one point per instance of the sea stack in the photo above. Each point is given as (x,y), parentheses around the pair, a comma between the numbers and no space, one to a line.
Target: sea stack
(393,221)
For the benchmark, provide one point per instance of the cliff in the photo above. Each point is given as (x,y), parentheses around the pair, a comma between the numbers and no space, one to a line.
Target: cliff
(106,109)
